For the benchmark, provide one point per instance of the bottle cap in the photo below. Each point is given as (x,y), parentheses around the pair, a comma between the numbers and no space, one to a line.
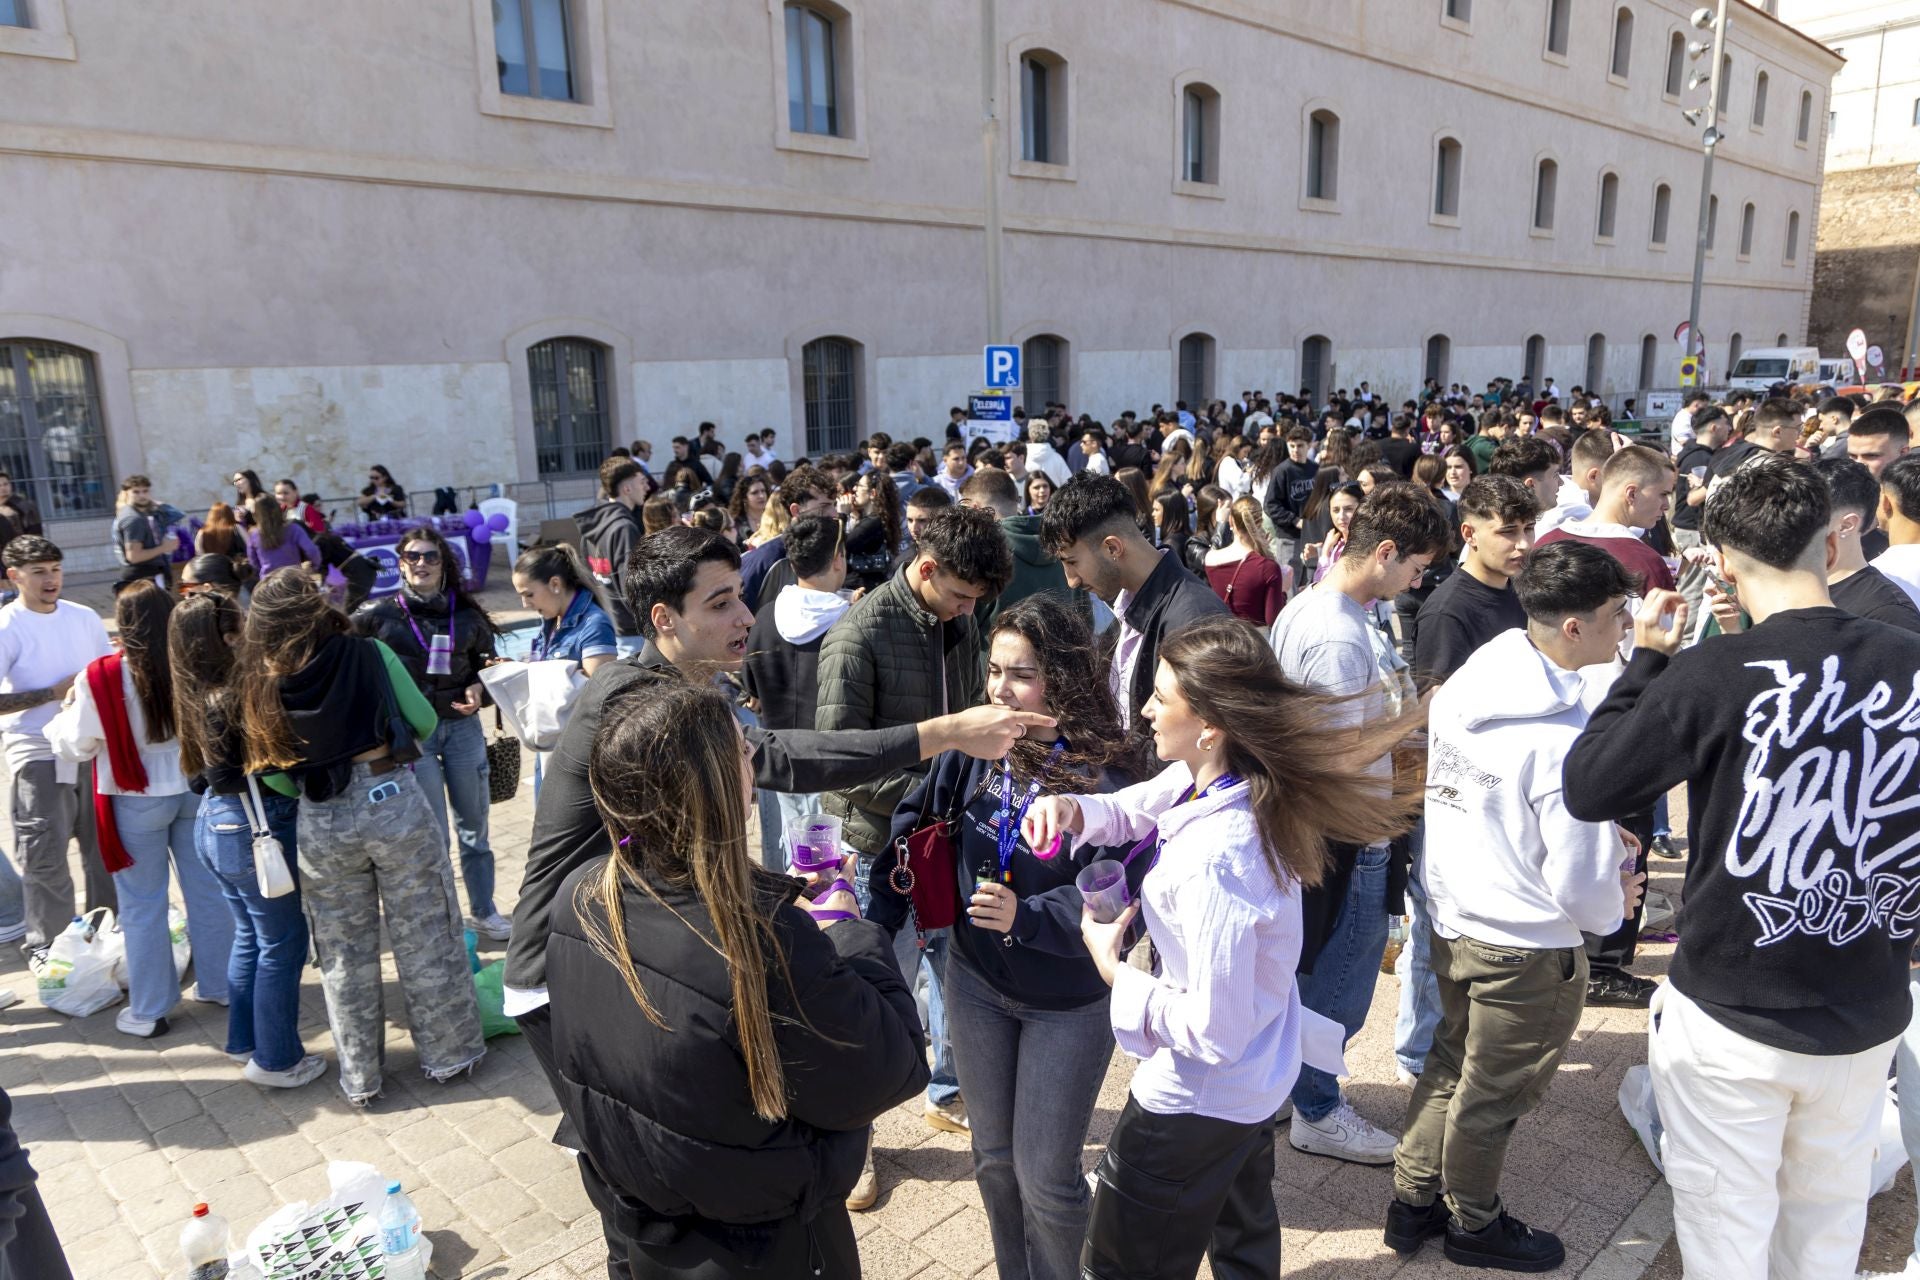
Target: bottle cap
(393,1187)
(200,1211)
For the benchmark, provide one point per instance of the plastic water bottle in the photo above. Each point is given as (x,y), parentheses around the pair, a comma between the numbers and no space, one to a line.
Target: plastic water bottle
(203,1242)
(81,929)
(400,1236)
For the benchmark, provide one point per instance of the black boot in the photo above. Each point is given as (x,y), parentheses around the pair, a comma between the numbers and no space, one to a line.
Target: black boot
(1505,1244)
(1409,1226)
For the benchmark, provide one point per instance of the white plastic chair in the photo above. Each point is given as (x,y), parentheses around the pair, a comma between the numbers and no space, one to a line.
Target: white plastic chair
(508,537)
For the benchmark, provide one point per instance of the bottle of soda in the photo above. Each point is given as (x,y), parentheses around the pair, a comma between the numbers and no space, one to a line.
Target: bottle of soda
(1396,939)
(400,1242)
(203,1242)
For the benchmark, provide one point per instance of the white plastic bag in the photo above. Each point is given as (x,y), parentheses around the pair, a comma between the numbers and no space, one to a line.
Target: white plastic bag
(1642,1112)
(78,978)
(535,698)
(177,938)
(334,1239)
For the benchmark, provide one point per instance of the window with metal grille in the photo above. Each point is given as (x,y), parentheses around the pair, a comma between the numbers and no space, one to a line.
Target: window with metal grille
(1533,357)
(1041,362)
(1196,370)
(1316,366)
(1439,356)
(830,389)
(52,439)
(533,48)
(568,379)
(812,99)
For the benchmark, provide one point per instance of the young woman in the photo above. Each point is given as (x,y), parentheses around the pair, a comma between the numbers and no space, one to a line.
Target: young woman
(269,934)
(676,958)
(1232,473)
(1340,508)
(728,480)
(1171,474)
(657,513)
(1135,481)
(333,718)
(220,535)
(1375,474)
(873,529)
(206,573)
(1242,826)
(358,572)
(383,498)
(1210,507)
(121,708)
(1039,490)
(246,487)
(430,606)
(1026,1009)
(272,543)
(551,581)
(298,509)
(748,506)
(1459,473)
(1243,574)
(1335,449)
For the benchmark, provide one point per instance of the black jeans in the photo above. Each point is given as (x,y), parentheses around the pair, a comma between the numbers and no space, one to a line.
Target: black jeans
(1171,1188)
(1614,952)
(537,1026)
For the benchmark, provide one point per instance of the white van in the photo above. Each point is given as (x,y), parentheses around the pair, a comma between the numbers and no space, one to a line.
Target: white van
(1762,367)
(1837,371)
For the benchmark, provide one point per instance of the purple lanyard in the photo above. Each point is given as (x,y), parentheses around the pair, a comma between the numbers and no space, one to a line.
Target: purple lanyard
(424,646)
(1153,837)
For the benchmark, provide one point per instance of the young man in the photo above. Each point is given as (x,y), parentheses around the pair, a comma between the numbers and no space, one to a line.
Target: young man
(1774,428)
(1400,449)
(767,438)
(1512,880)
(1042,456)
(1292,483)
(1900,517)
(954,469)
(1090,454)
(927,502)
(1034,571)
(1482,443)
(143,533)
(1789,990)
(609,531)
(1685,428)
(1533,462)
(1635,484)
(1473,605)
(685,451)
(910,651)
(805,492)
(44,643)
(1710,428)
(783,657)
(1874,440)
(1855,585)
(1580,488)
(1327,641)
(1091,526)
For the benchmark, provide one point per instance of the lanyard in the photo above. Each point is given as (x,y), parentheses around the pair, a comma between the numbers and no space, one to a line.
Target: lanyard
(542,641)
(1007,833)
(424,646)
(1158,841)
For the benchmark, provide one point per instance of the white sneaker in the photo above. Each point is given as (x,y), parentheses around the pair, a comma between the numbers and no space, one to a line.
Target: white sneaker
(494,928)
(1344,1134)
(198,996)
(8,998)
(305,1071)
(144,1028)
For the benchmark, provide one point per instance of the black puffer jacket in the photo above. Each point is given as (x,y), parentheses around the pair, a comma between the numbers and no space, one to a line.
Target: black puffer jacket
(385,619)
(667,1116)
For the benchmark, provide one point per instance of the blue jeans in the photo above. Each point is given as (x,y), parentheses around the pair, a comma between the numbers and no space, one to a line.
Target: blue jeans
(944,1087)
(1030,1077)
(13,901)
(453,766)
(1341,984)
(1662,824)
(269,934)
(150,828)
(1419,989)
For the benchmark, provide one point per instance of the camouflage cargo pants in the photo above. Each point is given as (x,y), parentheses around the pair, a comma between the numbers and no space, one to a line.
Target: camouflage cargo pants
(374,845)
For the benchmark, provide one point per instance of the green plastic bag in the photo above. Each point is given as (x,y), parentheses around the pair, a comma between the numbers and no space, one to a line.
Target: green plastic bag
(493,1018)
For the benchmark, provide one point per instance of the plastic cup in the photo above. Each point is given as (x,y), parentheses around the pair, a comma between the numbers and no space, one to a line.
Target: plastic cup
(813,843)
(1699,474)
(1103,886)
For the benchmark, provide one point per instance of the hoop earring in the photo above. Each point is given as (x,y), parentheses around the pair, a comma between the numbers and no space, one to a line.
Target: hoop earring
(1206,744)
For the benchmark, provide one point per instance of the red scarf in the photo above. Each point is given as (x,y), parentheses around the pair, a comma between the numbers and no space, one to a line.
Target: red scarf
(123,755)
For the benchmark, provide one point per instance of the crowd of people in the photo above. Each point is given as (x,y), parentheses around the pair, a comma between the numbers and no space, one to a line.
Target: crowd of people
(1269,674)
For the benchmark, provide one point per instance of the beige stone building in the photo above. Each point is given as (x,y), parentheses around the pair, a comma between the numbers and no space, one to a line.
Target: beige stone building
(480,241)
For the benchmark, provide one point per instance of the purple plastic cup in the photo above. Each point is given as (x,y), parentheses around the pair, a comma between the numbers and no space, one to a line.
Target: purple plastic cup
(813,843)
(1103,886)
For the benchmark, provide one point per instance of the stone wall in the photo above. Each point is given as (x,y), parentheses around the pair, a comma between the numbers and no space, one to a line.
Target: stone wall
(1869,241)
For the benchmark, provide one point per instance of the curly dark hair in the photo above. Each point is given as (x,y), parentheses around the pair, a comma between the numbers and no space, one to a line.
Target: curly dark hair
(968,543)
(1075,671)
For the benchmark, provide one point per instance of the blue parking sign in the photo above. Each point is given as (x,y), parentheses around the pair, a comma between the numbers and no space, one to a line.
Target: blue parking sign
(1002,367)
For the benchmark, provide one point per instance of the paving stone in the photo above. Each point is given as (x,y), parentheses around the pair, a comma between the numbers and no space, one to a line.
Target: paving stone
(495,1204)
(562,1195)
(531,1160)
(424,1139)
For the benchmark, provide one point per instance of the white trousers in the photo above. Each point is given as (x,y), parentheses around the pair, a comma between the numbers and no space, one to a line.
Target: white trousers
(1769,1153)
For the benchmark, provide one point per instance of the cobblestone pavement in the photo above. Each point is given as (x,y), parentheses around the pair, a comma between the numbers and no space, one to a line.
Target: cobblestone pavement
(128,1134)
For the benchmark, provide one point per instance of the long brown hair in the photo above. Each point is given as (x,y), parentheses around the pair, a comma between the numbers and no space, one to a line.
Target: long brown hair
(289,621)
(269,520)
(1075,673)
(1301,799)
(141,614)
(220,535)
(201,655)
(665,771)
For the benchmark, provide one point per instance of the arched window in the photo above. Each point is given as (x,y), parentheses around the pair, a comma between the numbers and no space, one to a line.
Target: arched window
(1622,42)
(1676,63)
(1713,219)
(1609,205)
(813,98)
(533,49)
(1196,370)
(1726,83)
(1446,179)
(1043,107)
(1735,345)
(1439,357)
(1805,128)
(1780,341)
(1746,230)
(1546,182)
(1316,366)
(52,439)
(567,378)
(1532,357)
(1596,363)
(830,390)
(1559,23)
(1649,356)
(1323,156)
(1199,134)
(1760,100)
(1793,237)
(1662,207)
(1044,366)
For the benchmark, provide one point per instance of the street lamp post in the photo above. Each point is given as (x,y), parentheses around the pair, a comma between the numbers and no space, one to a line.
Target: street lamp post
(1702,19)
(1909,351)
(990,154)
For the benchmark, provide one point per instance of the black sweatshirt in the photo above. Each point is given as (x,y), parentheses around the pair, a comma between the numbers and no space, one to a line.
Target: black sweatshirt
(1462,614)
(1870,593)
(1799,742)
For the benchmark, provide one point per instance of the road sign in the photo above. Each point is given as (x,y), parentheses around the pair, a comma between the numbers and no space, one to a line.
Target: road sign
(990,408)
(1002,368)
(1690,338)
(1690,372)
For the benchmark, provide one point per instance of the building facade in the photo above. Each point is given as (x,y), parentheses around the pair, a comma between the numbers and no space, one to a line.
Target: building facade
(480,241)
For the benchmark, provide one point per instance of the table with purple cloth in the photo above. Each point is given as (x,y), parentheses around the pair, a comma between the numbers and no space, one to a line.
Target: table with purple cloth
(377,540)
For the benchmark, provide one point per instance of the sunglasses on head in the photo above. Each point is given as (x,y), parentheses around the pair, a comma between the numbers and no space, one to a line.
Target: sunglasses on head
(421,557)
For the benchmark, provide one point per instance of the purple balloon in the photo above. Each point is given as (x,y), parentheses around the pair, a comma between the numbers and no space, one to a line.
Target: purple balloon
(497,522)
(474,519)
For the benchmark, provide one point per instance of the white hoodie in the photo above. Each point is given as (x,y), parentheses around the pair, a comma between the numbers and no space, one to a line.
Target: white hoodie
(1505,863)
(801,614)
